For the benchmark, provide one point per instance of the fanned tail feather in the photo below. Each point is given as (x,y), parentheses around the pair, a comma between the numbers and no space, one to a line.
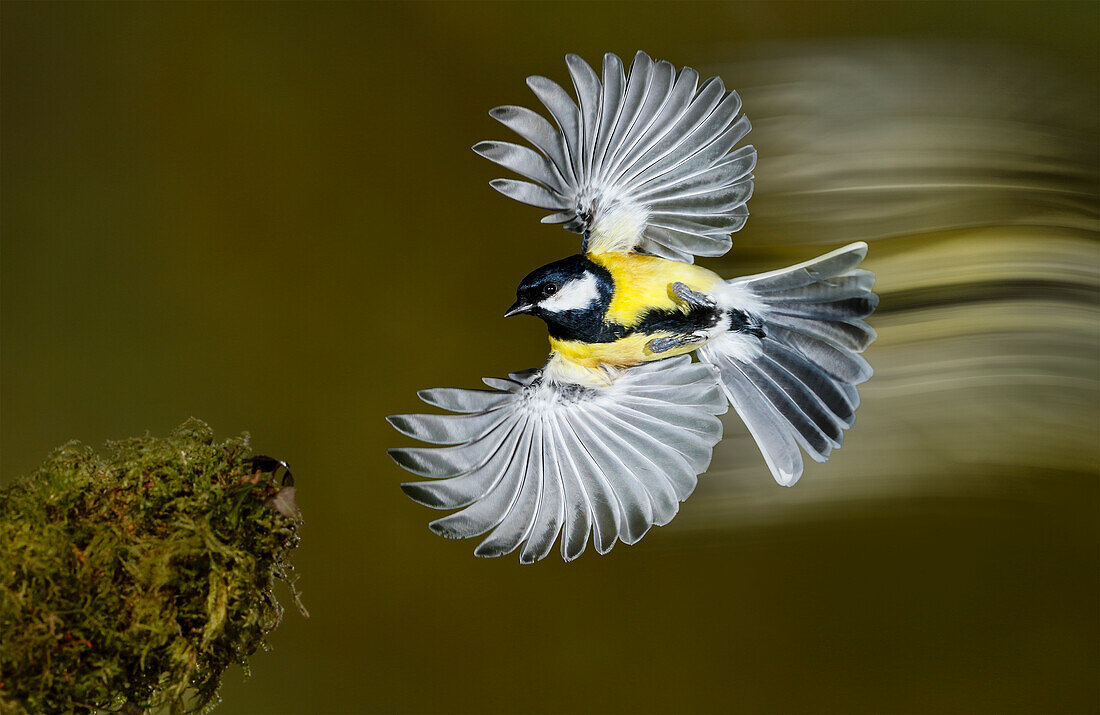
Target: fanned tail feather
(796,386)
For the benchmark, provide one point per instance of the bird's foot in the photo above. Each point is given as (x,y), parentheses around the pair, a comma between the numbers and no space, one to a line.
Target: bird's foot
(657,346)
(691,298)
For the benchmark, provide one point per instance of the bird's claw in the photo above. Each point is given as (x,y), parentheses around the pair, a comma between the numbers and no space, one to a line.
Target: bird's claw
(693,299)
(663,345)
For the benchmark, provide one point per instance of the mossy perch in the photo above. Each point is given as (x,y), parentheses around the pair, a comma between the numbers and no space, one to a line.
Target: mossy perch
(130,582)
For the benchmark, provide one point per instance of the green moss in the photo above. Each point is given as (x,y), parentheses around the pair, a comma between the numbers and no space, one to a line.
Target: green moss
(131,581)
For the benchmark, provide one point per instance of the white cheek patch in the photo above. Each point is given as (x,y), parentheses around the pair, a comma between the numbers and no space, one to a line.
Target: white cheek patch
(577,294)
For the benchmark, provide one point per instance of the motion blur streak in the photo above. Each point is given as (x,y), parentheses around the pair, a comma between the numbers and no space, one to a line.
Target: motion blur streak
(973,173)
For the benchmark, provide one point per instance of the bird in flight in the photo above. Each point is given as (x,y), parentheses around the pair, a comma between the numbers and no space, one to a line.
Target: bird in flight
(607,438)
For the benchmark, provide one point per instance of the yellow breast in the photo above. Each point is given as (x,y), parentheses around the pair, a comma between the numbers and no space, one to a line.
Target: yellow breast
(624,352)
(642,283)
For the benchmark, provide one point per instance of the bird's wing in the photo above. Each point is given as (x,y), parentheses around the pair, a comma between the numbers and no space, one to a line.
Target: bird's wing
(536,457)
(642,162)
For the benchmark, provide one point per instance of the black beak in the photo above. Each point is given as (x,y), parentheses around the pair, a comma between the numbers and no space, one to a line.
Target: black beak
(518,307)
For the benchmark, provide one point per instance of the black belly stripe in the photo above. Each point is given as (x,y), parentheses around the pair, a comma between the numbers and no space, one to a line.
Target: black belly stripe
(654,321)
(678,322)
(588,326)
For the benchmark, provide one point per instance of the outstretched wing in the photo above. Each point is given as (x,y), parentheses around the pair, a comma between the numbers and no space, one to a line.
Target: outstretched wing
(643,162)
(536,457)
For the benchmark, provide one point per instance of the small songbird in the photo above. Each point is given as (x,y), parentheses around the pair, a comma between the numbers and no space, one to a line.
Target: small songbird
(611,434)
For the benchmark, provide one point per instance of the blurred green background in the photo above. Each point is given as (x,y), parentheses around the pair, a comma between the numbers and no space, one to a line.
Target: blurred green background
(268,216)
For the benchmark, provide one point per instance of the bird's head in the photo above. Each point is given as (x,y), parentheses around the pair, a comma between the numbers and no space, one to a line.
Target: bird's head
(564,293)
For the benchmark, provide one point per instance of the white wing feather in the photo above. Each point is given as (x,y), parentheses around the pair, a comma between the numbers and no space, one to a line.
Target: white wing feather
(641,162)
(539,457)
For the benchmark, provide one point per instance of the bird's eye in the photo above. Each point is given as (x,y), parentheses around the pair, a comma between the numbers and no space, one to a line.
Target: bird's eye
(550,289)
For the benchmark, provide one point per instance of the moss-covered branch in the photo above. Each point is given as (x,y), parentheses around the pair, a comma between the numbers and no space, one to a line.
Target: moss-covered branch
(131,581)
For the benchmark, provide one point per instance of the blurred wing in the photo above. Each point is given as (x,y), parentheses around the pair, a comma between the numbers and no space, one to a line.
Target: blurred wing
(641,162)
(537,457)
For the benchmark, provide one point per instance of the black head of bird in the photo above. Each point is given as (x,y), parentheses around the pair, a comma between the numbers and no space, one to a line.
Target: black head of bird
(571,295)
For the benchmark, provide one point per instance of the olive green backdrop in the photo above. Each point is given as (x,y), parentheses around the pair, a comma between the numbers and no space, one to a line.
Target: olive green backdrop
(268,216)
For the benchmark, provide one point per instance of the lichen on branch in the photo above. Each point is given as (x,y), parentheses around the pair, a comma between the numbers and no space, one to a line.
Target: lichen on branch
(130,581)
